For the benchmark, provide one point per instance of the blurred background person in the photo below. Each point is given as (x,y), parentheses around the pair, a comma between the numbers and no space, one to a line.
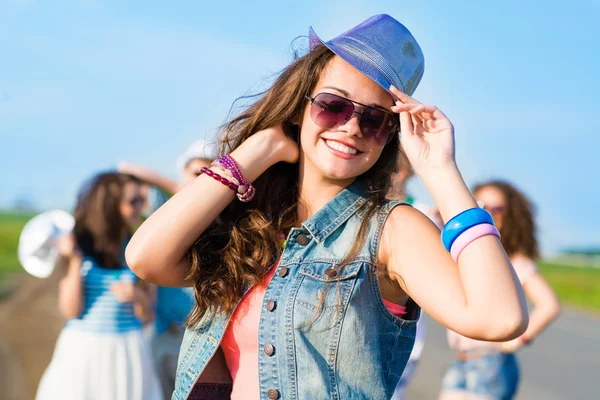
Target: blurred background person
(101,353)
(486,370)
(200,154)
(173,304)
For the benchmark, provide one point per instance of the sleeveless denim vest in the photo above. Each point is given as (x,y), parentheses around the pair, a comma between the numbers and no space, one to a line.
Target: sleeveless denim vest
(355,349)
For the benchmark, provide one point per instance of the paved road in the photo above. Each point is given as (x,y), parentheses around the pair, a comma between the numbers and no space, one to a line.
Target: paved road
(29,325)
(563,364)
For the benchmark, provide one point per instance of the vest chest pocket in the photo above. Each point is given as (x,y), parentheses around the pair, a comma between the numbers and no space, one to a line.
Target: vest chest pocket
(324,293)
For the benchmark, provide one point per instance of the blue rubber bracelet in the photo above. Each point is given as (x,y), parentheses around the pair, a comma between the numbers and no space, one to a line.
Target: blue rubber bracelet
(462,222)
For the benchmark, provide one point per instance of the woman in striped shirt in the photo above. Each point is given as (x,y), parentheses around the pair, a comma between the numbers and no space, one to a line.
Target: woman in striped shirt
(101,352)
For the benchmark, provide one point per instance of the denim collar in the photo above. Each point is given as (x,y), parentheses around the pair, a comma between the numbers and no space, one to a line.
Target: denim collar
(336,212)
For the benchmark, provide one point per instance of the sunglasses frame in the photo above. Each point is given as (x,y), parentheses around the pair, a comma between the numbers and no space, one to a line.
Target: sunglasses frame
(393,116)
(137,201)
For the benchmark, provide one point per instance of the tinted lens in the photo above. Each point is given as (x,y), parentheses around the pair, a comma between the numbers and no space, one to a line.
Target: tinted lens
(330,111)
(495,210)
(371,124)
(137,201)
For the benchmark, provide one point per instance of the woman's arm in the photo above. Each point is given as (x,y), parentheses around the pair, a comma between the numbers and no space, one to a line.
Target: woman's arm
(144,302)
(156,251)
(142,298)
(70,288)
(149,176)
(480,296)
(546,308)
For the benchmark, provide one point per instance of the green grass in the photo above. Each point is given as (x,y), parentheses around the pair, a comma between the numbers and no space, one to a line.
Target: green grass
(575,286)
(11,225)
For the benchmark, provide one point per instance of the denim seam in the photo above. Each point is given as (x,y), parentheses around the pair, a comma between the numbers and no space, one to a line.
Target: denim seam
(292,370)
(324,278)
(333,352)
(333,225)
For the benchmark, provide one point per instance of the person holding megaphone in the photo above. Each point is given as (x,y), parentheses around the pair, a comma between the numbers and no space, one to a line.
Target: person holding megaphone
(101,352)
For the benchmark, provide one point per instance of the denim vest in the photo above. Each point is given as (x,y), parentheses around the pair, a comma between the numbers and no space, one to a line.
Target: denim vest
(355,349)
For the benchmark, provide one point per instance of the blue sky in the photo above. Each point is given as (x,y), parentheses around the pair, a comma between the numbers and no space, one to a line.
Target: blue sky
(85,84)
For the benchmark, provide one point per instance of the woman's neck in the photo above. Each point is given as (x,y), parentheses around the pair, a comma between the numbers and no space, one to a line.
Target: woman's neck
(316,191)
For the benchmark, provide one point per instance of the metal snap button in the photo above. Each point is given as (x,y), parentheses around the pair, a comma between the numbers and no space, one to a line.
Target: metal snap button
(302,240)
(330,272)
(283,272)
(269,349)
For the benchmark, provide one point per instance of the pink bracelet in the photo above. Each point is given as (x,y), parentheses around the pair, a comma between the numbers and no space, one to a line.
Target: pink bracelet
(246,191)
(469,236)
(219,178)
(222,170)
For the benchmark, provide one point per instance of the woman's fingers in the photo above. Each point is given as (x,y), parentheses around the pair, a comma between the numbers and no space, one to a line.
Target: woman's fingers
(403,97)
(406,124)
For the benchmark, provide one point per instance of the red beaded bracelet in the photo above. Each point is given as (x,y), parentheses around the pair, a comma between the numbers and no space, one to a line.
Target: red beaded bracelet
(219,178)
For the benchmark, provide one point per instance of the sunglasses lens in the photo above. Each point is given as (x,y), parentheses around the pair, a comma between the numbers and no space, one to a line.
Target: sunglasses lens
(376,124)
(137,201)
(330,111)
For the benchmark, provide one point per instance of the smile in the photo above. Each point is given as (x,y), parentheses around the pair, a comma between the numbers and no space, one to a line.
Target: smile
(341,149)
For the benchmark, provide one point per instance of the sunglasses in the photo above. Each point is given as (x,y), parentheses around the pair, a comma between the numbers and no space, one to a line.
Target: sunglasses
(494,210)
(331,111)
(137,201)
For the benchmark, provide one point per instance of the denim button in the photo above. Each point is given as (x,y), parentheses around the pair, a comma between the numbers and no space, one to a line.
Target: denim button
(271,305)
(273,394)
(330,272)
(283,272)
(269,349)
(302,240)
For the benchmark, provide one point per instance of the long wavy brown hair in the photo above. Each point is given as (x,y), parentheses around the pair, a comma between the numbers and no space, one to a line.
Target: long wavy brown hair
(100,230)
(518,229)
(241,245)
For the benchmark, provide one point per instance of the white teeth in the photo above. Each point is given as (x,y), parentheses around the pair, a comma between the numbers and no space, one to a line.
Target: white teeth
(340,147)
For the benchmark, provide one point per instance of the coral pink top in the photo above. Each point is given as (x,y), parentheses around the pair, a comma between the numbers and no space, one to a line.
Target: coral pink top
(240,340)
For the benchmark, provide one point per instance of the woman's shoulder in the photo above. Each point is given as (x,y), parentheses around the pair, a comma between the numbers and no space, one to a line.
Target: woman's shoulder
(405,227)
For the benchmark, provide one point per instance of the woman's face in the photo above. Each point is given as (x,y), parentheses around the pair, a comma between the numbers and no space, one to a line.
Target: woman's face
(493,201)
(192,170)
(341,154)
(132,203)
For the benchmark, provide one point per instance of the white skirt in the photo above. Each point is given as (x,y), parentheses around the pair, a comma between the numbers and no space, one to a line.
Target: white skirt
(100,366)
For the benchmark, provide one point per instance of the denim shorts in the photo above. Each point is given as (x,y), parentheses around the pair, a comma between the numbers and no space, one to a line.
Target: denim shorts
(494,375)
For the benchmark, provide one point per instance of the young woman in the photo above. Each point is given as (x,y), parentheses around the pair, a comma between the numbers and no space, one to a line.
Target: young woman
(485,370)
(310,162)
(101,353)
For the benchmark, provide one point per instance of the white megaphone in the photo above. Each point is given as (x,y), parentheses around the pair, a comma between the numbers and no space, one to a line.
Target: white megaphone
(38,243)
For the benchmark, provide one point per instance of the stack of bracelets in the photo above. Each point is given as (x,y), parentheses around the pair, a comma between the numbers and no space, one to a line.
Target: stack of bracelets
(234,179)
(465,228)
